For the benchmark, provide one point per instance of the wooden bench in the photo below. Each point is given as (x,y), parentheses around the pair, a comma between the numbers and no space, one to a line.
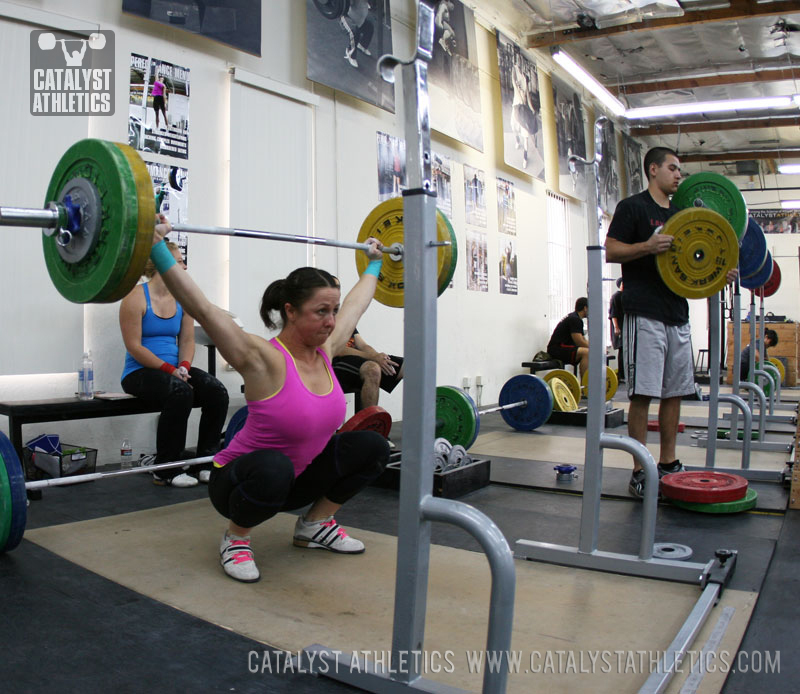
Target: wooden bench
(547,365)
(21,412)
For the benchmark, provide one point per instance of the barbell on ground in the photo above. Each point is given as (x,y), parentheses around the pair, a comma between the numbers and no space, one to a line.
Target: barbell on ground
(525,403)
(98,227)
(14,502)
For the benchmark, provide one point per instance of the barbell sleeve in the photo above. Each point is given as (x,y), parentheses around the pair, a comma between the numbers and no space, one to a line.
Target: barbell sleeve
(29,217)
(91,476)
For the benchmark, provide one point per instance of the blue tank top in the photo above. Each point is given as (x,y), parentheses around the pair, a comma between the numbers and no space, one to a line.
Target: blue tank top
(159,335)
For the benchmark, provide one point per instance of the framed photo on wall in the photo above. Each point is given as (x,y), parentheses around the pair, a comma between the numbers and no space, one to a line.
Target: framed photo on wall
(571,138)
(523,144)
(453,76)
(343,43)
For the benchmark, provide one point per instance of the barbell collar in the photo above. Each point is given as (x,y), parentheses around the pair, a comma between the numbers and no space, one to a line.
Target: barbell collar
(91,476)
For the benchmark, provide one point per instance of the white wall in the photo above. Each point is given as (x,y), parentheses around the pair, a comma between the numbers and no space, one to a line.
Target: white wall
(480,334)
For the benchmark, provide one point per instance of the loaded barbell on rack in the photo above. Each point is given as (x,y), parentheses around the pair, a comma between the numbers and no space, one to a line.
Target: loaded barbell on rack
(98,227)
(13,487)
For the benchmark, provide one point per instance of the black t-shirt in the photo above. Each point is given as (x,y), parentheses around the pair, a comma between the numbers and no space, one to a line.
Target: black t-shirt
(635,220)
(562,335)
(615,307)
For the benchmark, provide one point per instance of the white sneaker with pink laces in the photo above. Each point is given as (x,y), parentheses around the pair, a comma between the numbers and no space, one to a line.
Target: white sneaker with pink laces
(237,558)
(325,534)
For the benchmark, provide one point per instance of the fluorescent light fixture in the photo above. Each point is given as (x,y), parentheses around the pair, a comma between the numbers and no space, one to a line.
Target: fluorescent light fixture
(606,97)
(789,168)
(709,107)
(790,204)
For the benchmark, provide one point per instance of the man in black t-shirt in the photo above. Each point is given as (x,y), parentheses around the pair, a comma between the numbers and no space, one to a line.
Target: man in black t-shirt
(567,342)
(656,332)
(615,318)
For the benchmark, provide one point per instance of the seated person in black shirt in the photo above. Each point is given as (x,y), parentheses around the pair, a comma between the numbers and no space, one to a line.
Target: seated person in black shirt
(568,343)
(770,340)
(362,370)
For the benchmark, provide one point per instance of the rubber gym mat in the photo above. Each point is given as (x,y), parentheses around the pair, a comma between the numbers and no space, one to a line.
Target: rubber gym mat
(170,553)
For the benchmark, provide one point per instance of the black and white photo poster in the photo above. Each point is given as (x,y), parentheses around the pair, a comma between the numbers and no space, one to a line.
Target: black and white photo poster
(571,138)
(453,75)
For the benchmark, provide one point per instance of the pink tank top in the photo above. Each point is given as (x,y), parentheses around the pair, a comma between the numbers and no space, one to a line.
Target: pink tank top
(294,421)
(158,88)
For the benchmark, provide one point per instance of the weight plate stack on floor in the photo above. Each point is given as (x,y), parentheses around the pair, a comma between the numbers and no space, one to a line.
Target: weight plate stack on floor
(747,502)
(703,486)
(568,378)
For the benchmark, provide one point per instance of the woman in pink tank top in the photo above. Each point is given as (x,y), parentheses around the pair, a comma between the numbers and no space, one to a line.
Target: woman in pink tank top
(288,454)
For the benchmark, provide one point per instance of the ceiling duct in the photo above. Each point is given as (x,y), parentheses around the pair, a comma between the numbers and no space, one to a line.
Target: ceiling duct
(748,167)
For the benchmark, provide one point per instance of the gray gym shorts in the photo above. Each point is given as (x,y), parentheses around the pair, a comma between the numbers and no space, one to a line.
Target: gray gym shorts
(658,358)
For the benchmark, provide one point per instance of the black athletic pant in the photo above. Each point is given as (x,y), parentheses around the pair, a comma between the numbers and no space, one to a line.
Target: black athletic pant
(176,399)
(254,487)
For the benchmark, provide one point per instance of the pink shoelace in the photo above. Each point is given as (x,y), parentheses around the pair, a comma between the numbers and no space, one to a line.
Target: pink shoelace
(340,530)
(244,554)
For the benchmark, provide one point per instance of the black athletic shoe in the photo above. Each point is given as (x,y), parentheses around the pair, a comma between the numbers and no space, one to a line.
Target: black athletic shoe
(636,484)
(669,468)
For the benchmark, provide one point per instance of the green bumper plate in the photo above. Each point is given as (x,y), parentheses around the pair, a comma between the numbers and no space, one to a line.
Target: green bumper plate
(714,191)
(108,271)
(743,504)
(456,416)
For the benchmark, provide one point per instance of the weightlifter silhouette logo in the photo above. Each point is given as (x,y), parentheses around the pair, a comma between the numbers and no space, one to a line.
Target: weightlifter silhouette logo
(72,75)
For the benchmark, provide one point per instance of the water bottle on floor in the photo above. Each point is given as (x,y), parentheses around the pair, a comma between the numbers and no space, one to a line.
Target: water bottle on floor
(125,455)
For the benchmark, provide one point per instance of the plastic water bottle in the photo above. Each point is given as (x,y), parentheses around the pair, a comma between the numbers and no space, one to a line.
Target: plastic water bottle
(86,378)
(125,455)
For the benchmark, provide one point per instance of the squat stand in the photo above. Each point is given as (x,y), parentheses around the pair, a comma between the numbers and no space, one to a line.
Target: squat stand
(418,507)
(710,576)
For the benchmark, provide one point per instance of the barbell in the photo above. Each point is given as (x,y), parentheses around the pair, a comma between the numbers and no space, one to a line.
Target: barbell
(98,227)
(525,403)
(14,502)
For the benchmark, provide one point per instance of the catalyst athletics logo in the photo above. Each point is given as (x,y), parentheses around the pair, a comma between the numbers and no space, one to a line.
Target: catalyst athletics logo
(72,76)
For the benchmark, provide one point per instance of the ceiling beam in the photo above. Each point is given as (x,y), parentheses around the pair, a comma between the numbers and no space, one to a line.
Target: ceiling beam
(686,157)
(711,126)
(739,9)
(775,75)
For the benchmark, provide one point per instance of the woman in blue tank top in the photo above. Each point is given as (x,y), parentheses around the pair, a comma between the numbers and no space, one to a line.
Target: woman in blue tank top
(159,339)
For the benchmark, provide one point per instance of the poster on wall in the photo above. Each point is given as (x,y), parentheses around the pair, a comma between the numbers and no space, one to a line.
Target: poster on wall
(608,171)
(343,44)
(506,209)
(571,138)
(634,170)
(475,196)
(442,182)
(777,221)
(507,252)
(236,23)
(171,192)
(391,166)
(453,77)
(158,113)
(477,267)
(523,144)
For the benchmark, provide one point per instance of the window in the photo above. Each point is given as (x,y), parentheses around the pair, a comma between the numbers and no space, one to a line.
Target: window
(559,260)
